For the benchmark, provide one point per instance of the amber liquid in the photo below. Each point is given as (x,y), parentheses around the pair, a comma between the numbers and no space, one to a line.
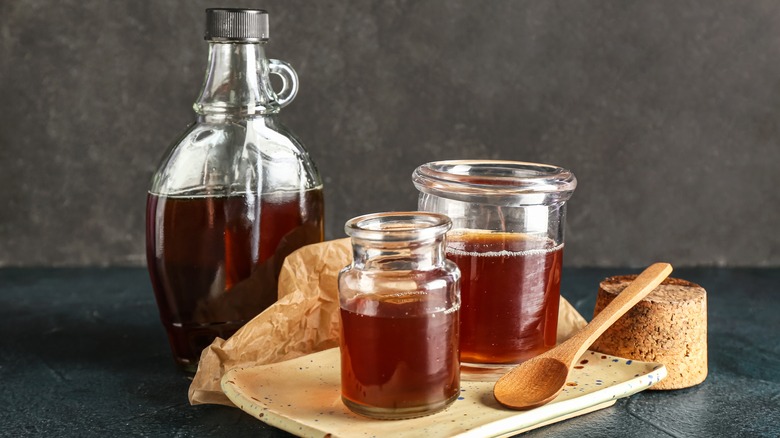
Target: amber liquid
(401,364)
(510,290)
(214,266)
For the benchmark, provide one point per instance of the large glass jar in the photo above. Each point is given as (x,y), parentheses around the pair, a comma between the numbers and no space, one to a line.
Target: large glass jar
(399,317)
(233,196)
(507,239)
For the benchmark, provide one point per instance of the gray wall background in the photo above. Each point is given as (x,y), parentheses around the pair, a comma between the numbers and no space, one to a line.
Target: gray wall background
(667,112)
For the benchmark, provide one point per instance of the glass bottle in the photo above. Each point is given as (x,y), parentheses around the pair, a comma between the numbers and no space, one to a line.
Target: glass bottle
(507,239)
(233,196)
(400,302)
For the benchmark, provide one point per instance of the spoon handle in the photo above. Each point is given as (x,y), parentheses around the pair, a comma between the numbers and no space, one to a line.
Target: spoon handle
(631,295)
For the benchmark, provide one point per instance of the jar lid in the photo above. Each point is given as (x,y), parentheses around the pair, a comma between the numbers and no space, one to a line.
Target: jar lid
(236,25)
(495,182)
(398,226)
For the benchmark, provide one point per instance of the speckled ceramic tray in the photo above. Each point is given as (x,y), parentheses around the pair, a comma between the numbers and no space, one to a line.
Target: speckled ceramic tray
(302,396)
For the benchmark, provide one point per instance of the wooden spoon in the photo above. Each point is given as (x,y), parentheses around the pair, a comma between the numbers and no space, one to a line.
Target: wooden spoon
(539,380)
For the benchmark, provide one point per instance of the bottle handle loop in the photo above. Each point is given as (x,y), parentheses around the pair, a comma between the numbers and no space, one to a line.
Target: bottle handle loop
(289,81)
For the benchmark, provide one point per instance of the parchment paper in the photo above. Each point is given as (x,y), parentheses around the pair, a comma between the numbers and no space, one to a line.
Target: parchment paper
(304,320)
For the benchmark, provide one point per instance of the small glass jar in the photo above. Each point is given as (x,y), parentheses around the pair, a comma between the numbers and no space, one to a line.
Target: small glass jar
(507,239)
(400,301)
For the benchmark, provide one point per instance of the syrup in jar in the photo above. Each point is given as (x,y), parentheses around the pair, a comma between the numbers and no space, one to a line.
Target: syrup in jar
(510,288)
(399,317)
(507,239)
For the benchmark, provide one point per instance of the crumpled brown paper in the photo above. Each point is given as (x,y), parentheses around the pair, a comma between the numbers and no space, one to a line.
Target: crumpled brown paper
(304,320)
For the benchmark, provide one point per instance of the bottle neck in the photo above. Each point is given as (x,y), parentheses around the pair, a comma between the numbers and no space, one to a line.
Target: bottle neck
(237,82)
(417,255)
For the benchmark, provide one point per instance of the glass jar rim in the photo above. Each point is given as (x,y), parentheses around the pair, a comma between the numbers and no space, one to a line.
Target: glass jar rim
(398,226)
(500,182)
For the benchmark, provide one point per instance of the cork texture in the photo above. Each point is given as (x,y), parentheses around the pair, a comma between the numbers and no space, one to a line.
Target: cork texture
(668,326)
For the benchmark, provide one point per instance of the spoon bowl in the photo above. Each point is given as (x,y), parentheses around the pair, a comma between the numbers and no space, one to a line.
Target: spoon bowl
(539,380)
(550,378)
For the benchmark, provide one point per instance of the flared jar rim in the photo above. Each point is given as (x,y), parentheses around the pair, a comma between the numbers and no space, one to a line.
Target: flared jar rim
(398,226)
(501,182)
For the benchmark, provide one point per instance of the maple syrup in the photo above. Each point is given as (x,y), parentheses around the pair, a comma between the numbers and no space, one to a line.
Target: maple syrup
(510,288)
(401,356)
(507,239)
(213,267)
(233,195)
(399,303)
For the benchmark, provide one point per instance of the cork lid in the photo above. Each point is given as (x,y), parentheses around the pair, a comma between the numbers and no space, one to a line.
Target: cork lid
(671,290)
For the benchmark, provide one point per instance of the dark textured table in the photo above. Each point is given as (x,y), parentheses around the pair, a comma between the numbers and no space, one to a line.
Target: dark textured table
(82,353)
